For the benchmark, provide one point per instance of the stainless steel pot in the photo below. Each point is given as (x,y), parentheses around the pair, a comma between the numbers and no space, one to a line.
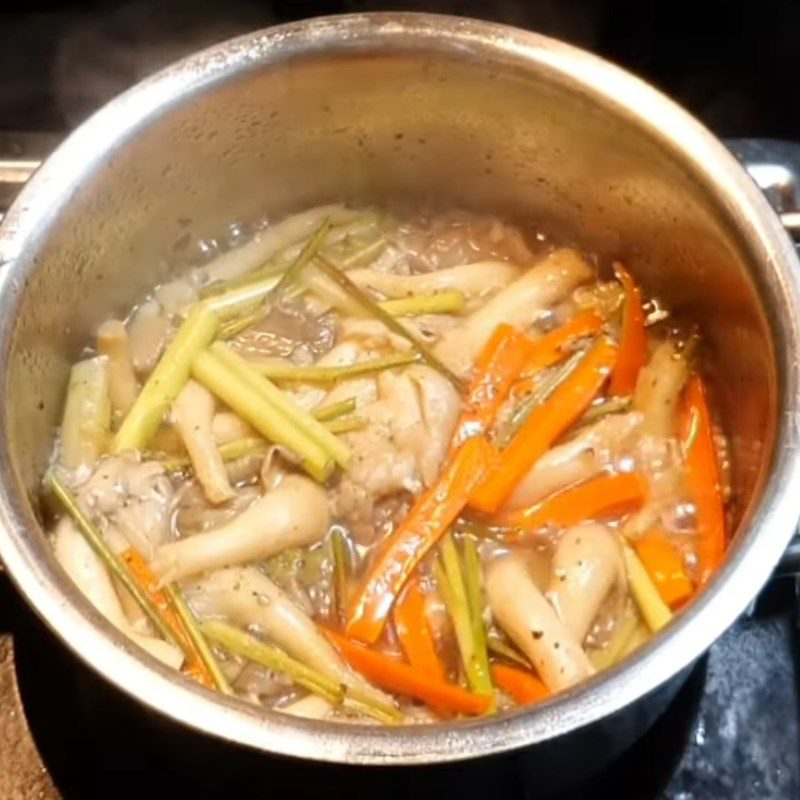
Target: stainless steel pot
(403,107)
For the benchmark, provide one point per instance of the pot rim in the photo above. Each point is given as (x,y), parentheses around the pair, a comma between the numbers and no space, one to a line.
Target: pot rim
(760,542)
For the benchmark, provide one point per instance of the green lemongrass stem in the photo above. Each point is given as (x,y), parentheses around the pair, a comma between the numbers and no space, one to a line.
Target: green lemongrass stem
(271,271)
(166,380)
(245,299)
(230,451)
(691,436)
(652,607)
(450,301)
(473,583)
(362,257)
(455,597)
(614,405)
(341,568)
(542,393)
(247,646)
(370,305)
(304,257)
(115,566)
(612,652)
(243,644)
(313,374)
(347,424)
(497,646)
(235,326)
(640,635)
(197,638)
(86,422)
(324,413)
(250,404)
(302,420)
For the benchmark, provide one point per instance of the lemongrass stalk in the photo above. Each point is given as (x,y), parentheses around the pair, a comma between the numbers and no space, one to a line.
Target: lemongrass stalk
(304,257)
(86,422)
(235,326)
(370,305)
(347,424)
(640,635)
(497,646)
(324,413)
(341,568)
(361,257)
(271,271)
(473,583)
(230,451)
(313,374)
(197,638)
(244,299)
(304,421)
(114,565)
(448,302)
(542,393)
(612,652)
(251,405)
(166,380)
(451,584)
(239,448)
(269,656)
(653,609)
(614,405)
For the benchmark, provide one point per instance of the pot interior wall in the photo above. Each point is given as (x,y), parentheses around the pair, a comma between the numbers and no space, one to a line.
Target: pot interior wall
(406,125)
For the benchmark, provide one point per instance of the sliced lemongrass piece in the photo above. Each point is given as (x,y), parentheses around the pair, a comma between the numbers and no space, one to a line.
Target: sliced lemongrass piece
(166,380)
(324,413)
(114,565)
(313,374)
(251,405)
(497,646)
(247,646)
(197,638)
(370,305)
(446,302)
(347,424)
(304,421)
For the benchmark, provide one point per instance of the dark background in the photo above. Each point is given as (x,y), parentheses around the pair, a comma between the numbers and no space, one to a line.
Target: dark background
(735,64)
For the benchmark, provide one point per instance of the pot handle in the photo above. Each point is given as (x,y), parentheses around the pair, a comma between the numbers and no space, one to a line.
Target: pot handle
(774,165)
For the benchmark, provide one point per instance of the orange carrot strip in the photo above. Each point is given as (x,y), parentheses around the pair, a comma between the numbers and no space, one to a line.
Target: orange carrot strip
(632,353)
(544,425)
(548,350)
(496,369)
(523,686)
(395,676)
(143,575)
(429,518)
(702,477)
(414,633)
(664,565)
(604,496)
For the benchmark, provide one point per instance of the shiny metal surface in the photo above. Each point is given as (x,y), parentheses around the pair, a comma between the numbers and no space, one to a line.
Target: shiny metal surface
(402,107)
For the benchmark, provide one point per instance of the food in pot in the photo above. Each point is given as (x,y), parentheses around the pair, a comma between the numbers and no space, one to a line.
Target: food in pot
(376,467)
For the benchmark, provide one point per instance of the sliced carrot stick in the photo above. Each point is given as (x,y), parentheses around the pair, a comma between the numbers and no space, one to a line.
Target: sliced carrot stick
(424,525)
(702,477)
(604,496)
(414,633)
(522,686)
(497,367)
(544,425)
(147,580)
(663,562)
(549,349)
(395,676)
(632,354)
